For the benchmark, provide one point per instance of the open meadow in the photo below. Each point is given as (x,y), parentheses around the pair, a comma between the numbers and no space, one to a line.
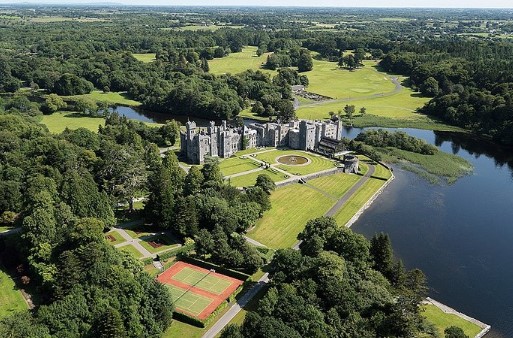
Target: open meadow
(443,320)
(11,299)
(59,121)
(238,62)
(112,98)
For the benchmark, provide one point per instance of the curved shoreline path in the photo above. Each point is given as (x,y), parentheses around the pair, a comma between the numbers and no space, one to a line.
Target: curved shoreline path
(262,282)
(395,80)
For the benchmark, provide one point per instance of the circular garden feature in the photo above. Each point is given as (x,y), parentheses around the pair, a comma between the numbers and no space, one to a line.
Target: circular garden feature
(293,160)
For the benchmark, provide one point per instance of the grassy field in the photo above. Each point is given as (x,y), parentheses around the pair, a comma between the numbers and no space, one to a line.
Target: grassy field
(119,98)
(317,163)
(444,320)
(237,165)
(238,62)
(336,185)
(11,299)
(327,79)
(292,207)
(358,200)
(382,172)
(204,28)
(188,301)
(418,121)
(250,179)
(146,57)
(168,243)
(118,238)
(59,121)
(132,250)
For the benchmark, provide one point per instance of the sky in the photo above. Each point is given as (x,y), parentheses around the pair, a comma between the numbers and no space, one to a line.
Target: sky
(317,3)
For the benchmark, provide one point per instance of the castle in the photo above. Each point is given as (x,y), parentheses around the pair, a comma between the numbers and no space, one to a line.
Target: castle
(223,141)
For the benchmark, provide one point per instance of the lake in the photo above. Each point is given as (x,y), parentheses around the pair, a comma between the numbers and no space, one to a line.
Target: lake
(460,235)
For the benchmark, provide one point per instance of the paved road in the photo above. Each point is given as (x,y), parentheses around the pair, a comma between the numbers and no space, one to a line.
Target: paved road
(132,241)
(232,312)
(333,211)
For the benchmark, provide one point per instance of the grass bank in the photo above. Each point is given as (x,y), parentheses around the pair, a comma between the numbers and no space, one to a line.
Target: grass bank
(434,168)
(443,320)
(11,299)
(59,121)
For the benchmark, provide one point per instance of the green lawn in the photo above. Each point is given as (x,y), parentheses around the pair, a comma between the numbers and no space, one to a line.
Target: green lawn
(132,250)
(181,330)
(11,299)
(238,62)
(292,207)
(168,243)
(119,98)
(358,200)
(5,228)
(336,185)
(146,57)
(237,165)
(327,79)
(443,320)
(59,121)
(118,238)
(250,179)
(205,28)
(318,163)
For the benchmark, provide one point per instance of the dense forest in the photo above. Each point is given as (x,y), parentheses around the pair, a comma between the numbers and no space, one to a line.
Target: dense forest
(469,79)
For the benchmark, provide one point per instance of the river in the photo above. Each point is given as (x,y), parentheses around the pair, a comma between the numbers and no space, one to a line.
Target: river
(460,235)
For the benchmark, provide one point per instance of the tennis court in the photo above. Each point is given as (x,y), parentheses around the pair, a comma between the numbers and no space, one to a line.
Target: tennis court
(197,291)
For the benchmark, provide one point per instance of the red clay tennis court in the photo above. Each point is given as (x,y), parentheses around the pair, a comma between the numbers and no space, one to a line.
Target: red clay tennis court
(196,291)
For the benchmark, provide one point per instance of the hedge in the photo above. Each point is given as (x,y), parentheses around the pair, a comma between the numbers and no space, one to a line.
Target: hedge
(218,268)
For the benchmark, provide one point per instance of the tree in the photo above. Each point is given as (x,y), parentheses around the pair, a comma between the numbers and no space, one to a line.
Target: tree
(110,324)
(204,65)
(348,61)
(54,103)
(86,106)
(382,254)
(363,111)
(212,173)
(266,183)
(193,181)
(305,62)
(454,332)
(349,110)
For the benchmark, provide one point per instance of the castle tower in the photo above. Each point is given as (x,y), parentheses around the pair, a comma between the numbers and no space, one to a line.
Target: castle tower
(339,129)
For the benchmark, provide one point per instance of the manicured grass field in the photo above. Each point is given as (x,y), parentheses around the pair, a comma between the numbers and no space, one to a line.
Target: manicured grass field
(444,320)
(238,62)
(146,58)
(292,207)
(118,238)
(166,241)
(327,79)
(382,172)
(190,302)
(336,185)
(237,165)
(59,121)
(132,250)
(250,179)
(138,233)
(317,163)
(11,299)
(119,98)
(179,329)
(201,280)
(358,200)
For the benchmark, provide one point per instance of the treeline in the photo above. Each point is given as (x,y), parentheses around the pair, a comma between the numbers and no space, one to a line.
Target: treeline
(61,191)
(201,206)
(471,83)
(401,140)
(338,285)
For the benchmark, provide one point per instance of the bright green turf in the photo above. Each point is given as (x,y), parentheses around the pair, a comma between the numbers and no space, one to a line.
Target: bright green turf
(59,121)
(252,151)
(205,28)
(336,185)
(146,57)
(318,163)
(119,98)
(292,207)
(179,329)
(250,179)
(116,235)
(132,250)
(237,165)
(358,200)
(170,243)
(327,79)
(138,233)
(202,280)
(382,172)
(238,62)
(188,301)
(443,320)
(11,299)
